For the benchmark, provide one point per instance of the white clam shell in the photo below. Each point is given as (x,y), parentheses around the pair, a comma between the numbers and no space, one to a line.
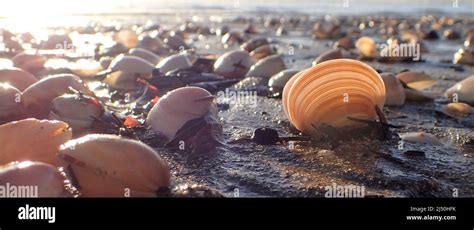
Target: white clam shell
(17,78)
(44,91)
(10,100)
(145,54)
(178,107)
(173,62)
(267,67)
(43,179)
(110,166)
(132,64)
(233,64)
(32,139)
(280,79)
(77,111)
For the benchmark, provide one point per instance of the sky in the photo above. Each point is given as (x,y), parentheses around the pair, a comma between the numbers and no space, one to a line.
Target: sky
(40,7)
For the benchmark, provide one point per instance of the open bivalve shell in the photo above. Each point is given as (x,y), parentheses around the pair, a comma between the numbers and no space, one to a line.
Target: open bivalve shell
(332,91)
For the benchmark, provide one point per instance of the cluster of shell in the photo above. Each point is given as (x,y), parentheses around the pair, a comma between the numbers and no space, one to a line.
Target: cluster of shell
(50,111)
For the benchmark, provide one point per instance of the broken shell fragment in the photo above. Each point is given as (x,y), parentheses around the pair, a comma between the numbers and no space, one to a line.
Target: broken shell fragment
(233,64)
(394,90)
(462,91)
(267,67)
(420,137)
(332,91)
(79,111)
(45,179)
(111,166)
(178,107)
(457,110)
(328,55)
(32,139)
(17,78)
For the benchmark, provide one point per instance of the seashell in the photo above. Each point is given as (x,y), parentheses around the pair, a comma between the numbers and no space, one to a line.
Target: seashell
(204,30)
(458,110)
(178,107)
(278,81)
(32,139)
(132,64)
(105,62)
(328,55)
(222,30)
(44,179)
(78,110)
(10,100)
(420,96)
(85,68)
(281,31)
(254,43)
(416,80)
(346,43)
(250,29)
(451,34)
(145,55)
(367,47)
(176,43)
(464,56)
(420,137)
(469,42)
(395,93)
(326,30)
(12,45)
(267,67)
(57,41)
(128,38)
(463,91)
(232,38)
(44,91)
(263,52)
(17,78)
(173,62)
(27,37)
(332,91)
(111,166)
(29,62)
(6,63)
(150,43)
(233,64)
(125,70)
